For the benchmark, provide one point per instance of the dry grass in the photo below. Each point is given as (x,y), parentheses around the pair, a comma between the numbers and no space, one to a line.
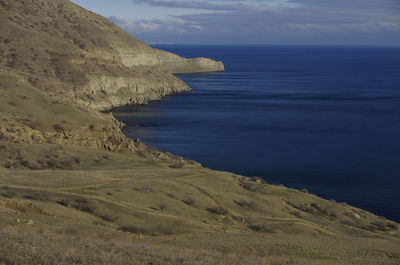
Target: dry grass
(112,212)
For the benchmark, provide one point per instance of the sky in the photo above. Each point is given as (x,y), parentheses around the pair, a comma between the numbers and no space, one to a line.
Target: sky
(273,22)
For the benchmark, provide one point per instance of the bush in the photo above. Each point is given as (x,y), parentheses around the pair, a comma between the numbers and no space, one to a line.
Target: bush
(246,203)
(9,194)
(382,226)
(76,159)
(37,197)
(218,210)
(85,205)
(25,163)
(58,127)
(108,218)
(52,163)
(65,203)
(189,201)
(167,231)
(171,195)
(248,185)
(66,164)
(10,165)
(133,229)
(261,227)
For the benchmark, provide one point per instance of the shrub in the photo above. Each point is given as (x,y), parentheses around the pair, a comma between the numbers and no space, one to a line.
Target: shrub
(9,164)
(65,203)
(382,226)
(108,218)
(167,231)
(189,201)
(297,214)
(248,185)
(85,205)
(260,227)
(133,229)
(66,164)
(52,163)
(218,210)
(25,163)
(246,203)
(36,197)
(76,159)
(171,195)
(9,194)
(347,222)
(162,206)
(58,127)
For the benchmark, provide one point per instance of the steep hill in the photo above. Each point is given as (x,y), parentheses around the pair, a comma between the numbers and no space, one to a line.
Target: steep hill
(75,190)
(69,51)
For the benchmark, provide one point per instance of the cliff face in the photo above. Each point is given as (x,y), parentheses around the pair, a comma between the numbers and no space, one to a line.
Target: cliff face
(60,64)
(73,53)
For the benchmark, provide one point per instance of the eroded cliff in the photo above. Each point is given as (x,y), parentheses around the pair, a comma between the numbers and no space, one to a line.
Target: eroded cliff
(75,54)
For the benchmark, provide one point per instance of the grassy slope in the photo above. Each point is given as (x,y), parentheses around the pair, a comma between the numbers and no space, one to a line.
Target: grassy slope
(151,212)
(85,204)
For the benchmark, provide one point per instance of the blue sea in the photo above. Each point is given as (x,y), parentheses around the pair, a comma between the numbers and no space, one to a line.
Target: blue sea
(325,119)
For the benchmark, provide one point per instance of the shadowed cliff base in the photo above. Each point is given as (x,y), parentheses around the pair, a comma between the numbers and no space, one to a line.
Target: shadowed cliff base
(74,189)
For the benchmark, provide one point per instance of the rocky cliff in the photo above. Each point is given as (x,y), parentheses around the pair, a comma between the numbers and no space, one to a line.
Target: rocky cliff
(60,64)
(73,53)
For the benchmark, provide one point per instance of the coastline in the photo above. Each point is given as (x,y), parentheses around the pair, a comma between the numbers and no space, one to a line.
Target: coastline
(75,190)
(333,113)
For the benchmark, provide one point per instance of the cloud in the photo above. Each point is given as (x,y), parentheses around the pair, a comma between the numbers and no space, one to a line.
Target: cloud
(170,25)
(285,22)
(236,6)
(358,4)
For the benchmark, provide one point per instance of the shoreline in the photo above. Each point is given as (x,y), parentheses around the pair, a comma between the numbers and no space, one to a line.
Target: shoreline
(322,192)
(74,189)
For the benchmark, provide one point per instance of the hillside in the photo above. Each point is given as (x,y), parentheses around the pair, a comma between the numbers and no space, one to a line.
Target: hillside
(75,190)
(66,50)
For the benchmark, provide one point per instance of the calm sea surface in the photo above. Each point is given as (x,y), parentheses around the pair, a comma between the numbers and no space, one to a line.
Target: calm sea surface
(326,119)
